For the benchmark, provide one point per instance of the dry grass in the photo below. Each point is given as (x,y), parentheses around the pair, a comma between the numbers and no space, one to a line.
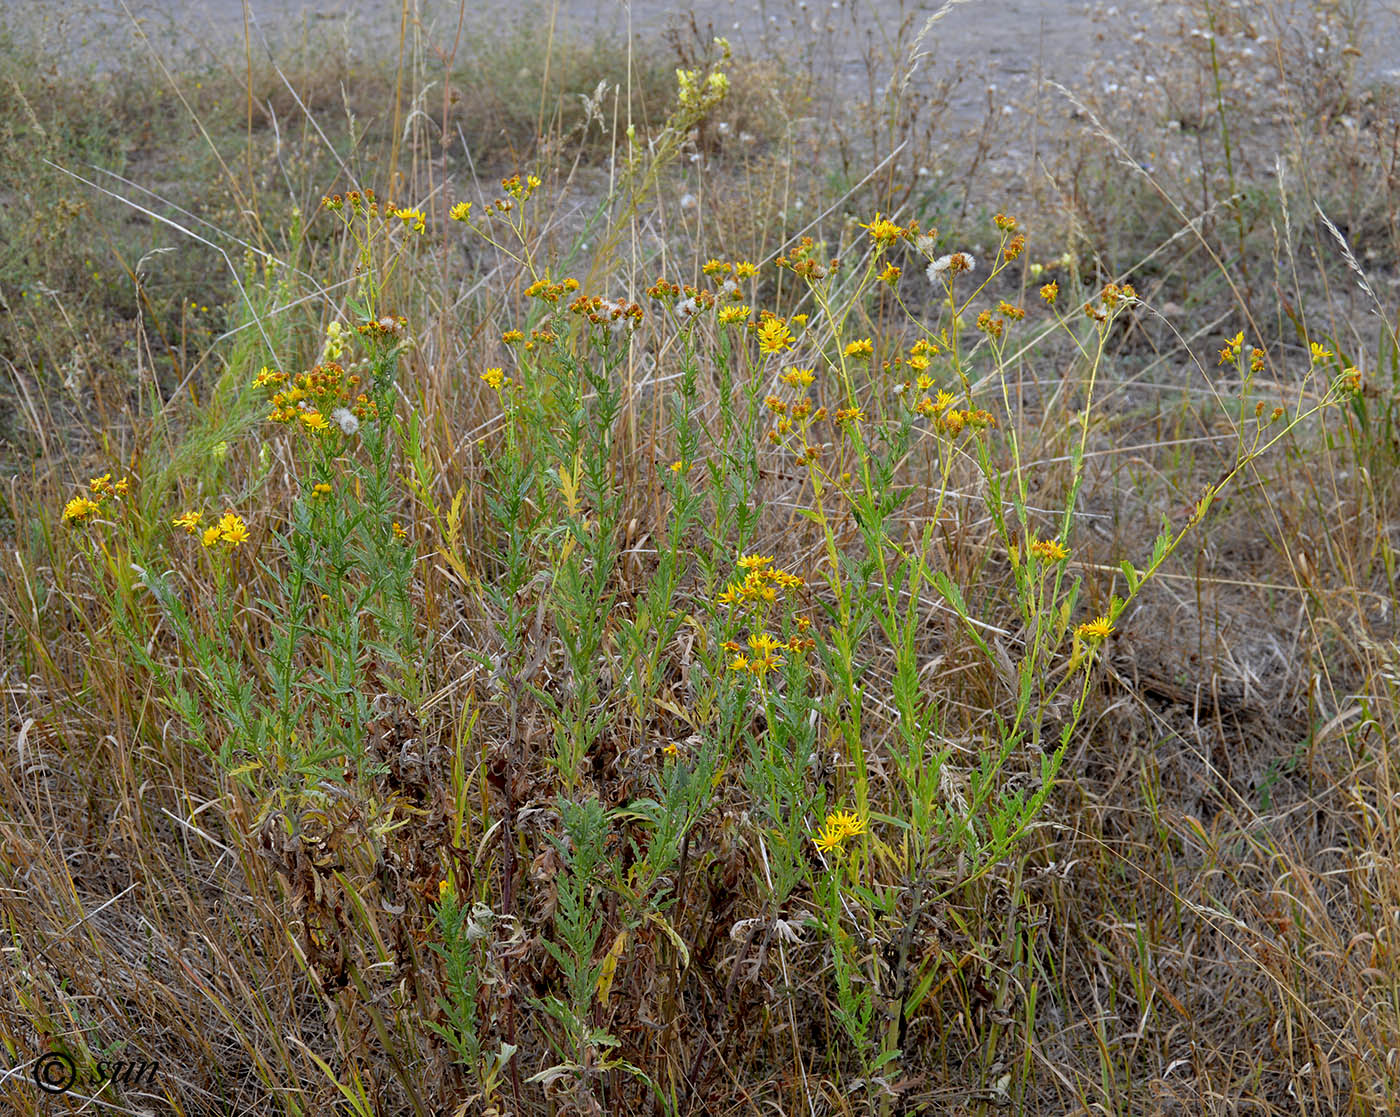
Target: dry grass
(236,776)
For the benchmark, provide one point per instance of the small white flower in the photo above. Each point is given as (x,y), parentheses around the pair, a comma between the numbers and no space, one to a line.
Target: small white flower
(688,308)
(688,201)
(729,287)
(346,420)
(924,244)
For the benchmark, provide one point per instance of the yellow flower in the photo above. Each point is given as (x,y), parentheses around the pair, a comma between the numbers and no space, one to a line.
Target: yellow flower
(827,839)
(414,218)
(678,467)
(798,377)
(189,521)
(729,315)
(1049,550)
(462,211)
(860,349)
(266,377)
(510,337)
(1050,292)
(739,663)
(839,826)
(755,562)
(444,890)
(883,231)
(1232,348)
(744,270)
(101,484)
(400,533)
(78,509)
(494,377)
(848,823)
(322,489)
(211,535)
(232,529)
(890,275)
(773,335)
(313,420)
(670,748)
(1096,629)
(1319,354)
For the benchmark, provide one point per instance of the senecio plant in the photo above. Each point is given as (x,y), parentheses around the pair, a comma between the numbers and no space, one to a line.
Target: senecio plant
(795,683)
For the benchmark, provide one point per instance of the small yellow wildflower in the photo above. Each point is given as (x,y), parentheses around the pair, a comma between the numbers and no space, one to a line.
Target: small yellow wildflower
(839,826)
(1232,349)
(730,315)
(1050,292)
(313,420)
(414,218)
(400,532)
(861,349)
(1319,354)
(494,378)
(232,529)
(773,335)
(462,211)
(744,270)
(828,840)
(1096,629)
(211,535)
(754,562)
(1049,550)
(510,337)
(188,522)
(671,749)
(890,275)
(322,489)
(79,509)
(883,231)
(102,485)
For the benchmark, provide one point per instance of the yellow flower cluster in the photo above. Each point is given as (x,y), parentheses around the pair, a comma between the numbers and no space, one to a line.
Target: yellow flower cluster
(309,397)
(739,269)
(885,232)
(229,529)
(700,97)
(839,826)
(82,508)
(551,292)
(1048,550)
(773,336)
(761,585)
